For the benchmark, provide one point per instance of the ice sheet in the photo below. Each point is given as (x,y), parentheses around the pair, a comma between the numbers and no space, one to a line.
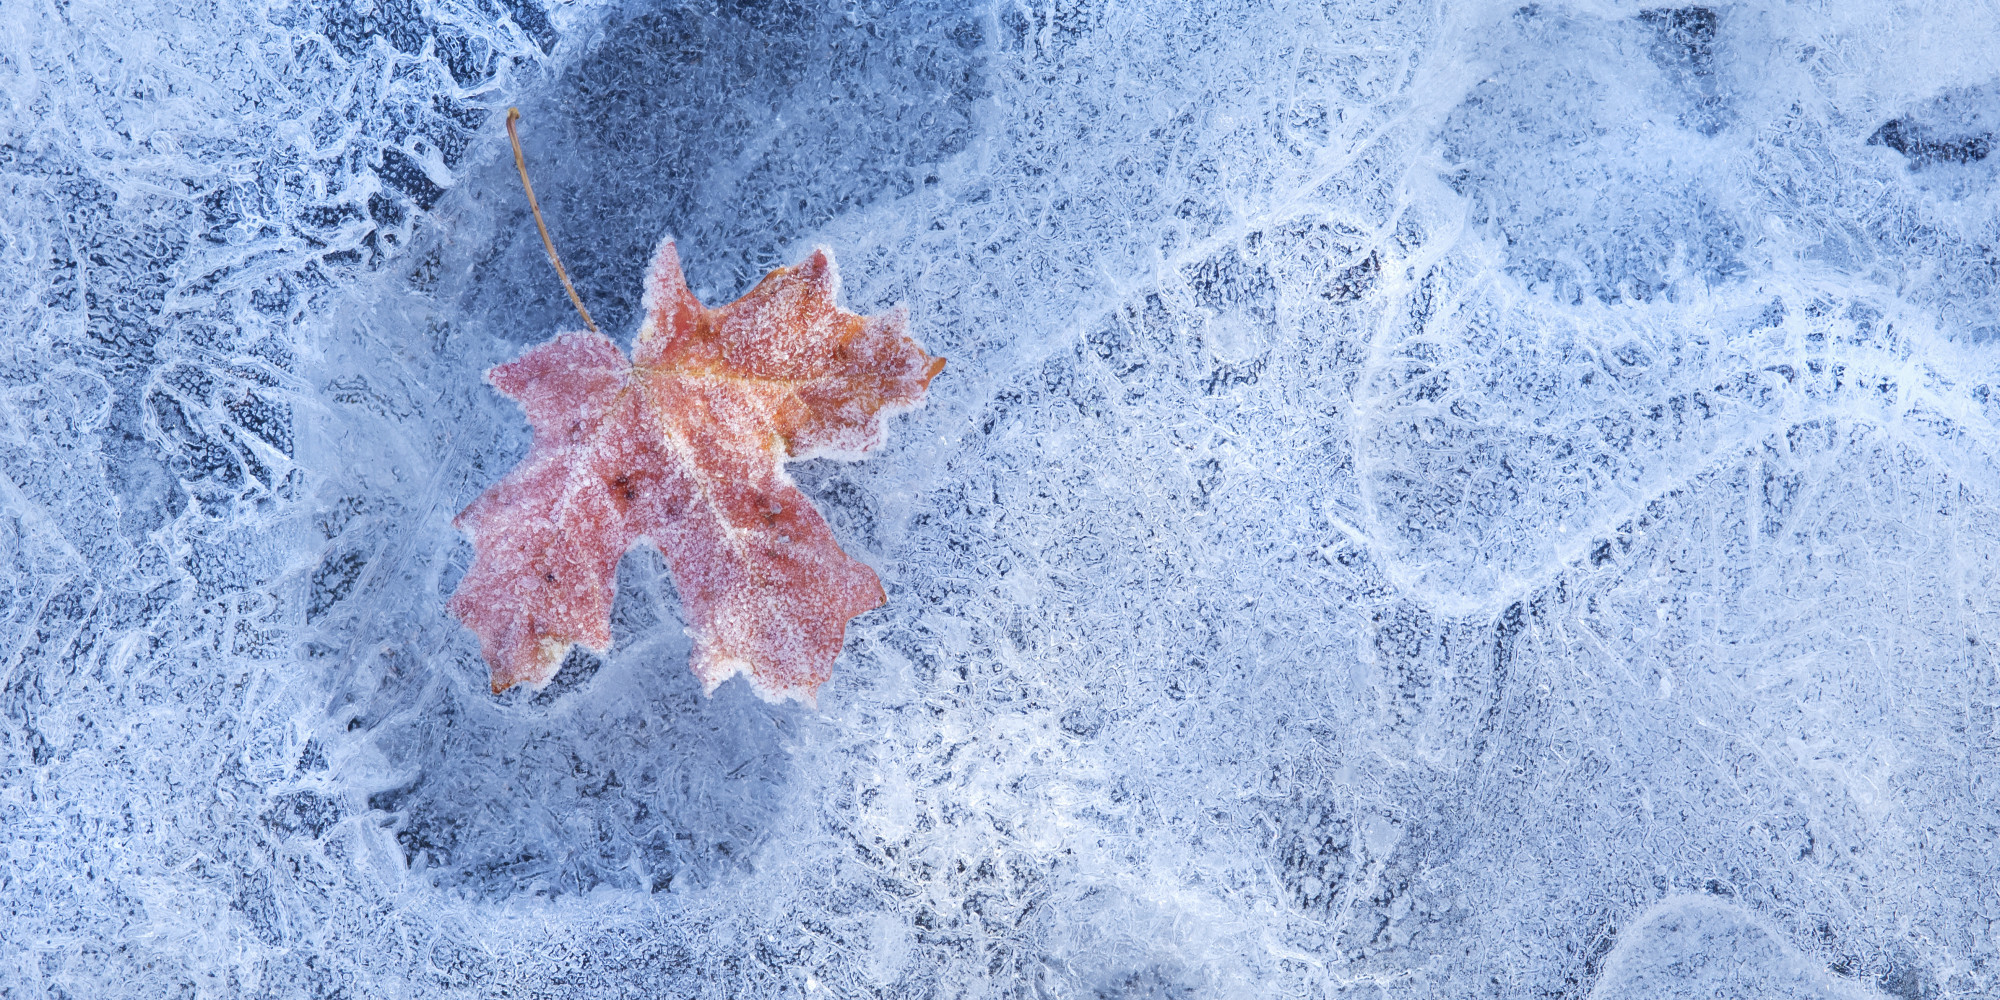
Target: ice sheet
(1427,500)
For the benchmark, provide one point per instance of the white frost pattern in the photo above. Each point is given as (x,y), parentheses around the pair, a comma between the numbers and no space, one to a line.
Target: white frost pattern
(1447,500)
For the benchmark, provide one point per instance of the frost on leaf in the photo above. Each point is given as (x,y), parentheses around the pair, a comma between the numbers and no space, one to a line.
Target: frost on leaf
(684,446)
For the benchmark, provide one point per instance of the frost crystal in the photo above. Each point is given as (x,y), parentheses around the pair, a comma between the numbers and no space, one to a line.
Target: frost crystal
(1445,499)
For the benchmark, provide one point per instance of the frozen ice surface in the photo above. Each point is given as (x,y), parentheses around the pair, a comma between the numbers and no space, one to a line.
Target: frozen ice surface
(1428,500)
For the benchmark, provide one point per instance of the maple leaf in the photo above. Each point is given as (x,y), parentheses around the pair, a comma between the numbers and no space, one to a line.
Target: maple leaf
(684,446)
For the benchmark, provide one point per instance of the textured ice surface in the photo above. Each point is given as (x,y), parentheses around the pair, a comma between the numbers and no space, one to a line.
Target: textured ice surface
(1429,500)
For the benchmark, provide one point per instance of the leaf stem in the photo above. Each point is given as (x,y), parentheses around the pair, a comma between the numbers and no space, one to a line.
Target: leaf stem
(521,164)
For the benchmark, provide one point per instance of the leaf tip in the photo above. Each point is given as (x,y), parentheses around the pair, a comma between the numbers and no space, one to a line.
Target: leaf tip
(714,670)
(666,285)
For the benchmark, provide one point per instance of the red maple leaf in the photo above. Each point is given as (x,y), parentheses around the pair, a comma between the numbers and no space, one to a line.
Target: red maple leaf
(684,446)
